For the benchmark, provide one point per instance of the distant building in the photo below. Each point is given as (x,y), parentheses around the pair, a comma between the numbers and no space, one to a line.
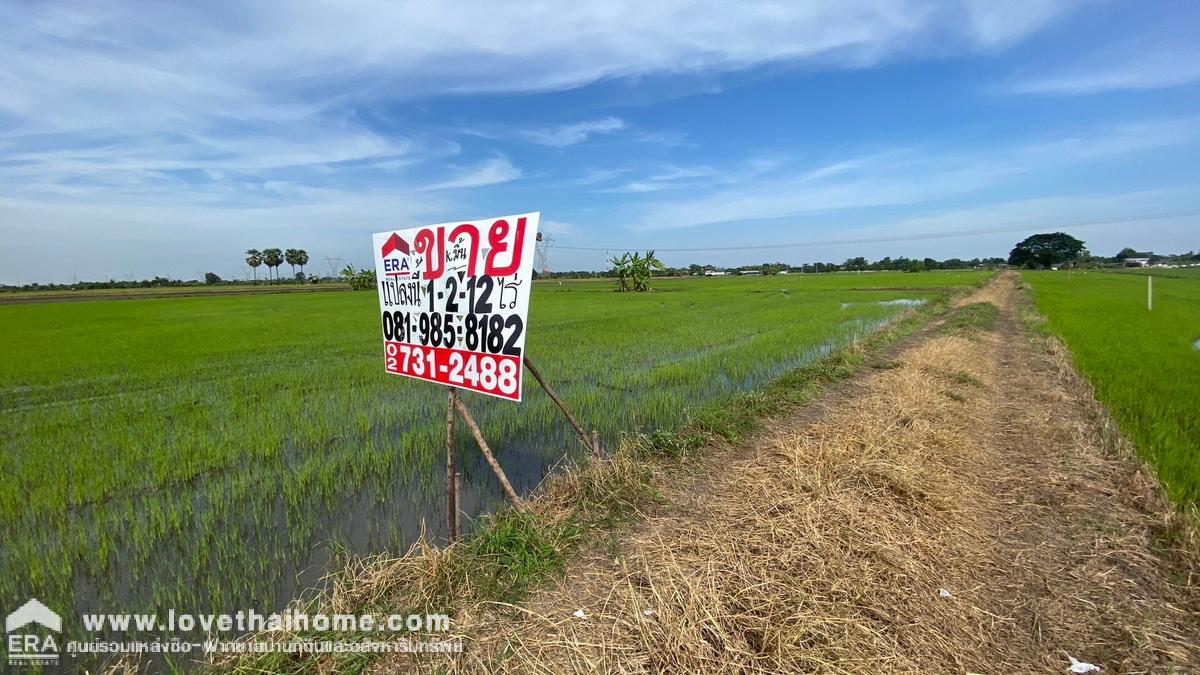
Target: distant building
(783,271)
(1137,262)
(750,273)
(714,273)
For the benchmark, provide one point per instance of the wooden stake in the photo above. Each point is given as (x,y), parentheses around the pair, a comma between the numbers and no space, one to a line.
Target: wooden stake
(491,459)
(457,500)
(561,406)
(451,471)
(595,442)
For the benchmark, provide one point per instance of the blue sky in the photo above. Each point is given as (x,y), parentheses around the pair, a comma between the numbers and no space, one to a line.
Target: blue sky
(140,139)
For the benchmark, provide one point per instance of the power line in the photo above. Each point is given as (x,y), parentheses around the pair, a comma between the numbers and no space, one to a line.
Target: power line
(878,240)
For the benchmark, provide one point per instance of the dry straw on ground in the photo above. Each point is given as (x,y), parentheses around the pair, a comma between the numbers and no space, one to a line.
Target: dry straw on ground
(976,465)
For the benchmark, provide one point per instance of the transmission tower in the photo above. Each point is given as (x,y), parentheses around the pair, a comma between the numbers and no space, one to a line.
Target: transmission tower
(542,254)
(334,264)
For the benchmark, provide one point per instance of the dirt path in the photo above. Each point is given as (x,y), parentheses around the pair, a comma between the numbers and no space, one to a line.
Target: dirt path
(964,507)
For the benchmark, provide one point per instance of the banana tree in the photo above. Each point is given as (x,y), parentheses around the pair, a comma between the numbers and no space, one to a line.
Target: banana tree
(635,270)
(621,267)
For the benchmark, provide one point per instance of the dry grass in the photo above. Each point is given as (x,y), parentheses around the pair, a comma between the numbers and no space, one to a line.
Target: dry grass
(432,578)
(977,466)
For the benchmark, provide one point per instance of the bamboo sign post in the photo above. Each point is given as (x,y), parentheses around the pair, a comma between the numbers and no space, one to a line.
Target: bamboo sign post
(454,299)
(491,459)
(451,470)
(593,447)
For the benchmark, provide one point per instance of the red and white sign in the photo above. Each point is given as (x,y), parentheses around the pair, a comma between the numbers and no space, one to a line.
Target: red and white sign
(454,299)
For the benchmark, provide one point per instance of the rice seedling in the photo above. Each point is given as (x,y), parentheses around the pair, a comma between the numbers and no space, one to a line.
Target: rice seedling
(1141,362)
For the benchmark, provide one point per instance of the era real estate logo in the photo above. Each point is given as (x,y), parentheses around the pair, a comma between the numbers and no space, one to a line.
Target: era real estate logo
(396,258)
(27,645)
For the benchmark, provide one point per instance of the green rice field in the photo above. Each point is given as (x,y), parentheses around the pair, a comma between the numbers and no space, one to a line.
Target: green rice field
(218,453)
(1144,364)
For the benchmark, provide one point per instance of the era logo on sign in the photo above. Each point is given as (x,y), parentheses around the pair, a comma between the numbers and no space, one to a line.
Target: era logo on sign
(395,254)
(28,648)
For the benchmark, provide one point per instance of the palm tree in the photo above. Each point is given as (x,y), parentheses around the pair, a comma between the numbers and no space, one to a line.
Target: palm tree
(301,259)
(254,258)
(273,258)
(290,256)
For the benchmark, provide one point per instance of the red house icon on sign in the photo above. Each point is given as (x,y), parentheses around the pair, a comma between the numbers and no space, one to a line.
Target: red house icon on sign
(394,243)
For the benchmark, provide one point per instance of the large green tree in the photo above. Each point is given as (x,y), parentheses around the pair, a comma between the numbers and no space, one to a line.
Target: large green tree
(1045,250)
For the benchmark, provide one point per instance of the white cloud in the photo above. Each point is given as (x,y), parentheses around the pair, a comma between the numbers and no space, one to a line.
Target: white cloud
(1155,69)
(557,227)
(595,176)
(1035,213)
(489,172)
(555,136)
(904,177)
(572,134)
(162,65)
(674,177)
(998,23)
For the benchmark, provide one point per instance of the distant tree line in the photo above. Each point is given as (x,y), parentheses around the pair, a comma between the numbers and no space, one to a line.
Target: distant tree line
(156,282)
(273,258)
(1056,249)
(858,264)
(1044,250)
(1127,253)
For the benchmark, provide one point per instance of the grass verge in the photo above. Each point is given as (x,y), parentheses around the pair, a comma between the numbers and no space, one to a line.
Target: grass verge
(979,316)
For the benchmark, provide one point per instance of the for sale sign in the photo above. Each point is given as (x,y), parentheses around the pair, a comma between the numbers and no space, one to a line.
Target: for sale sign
(454,298)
